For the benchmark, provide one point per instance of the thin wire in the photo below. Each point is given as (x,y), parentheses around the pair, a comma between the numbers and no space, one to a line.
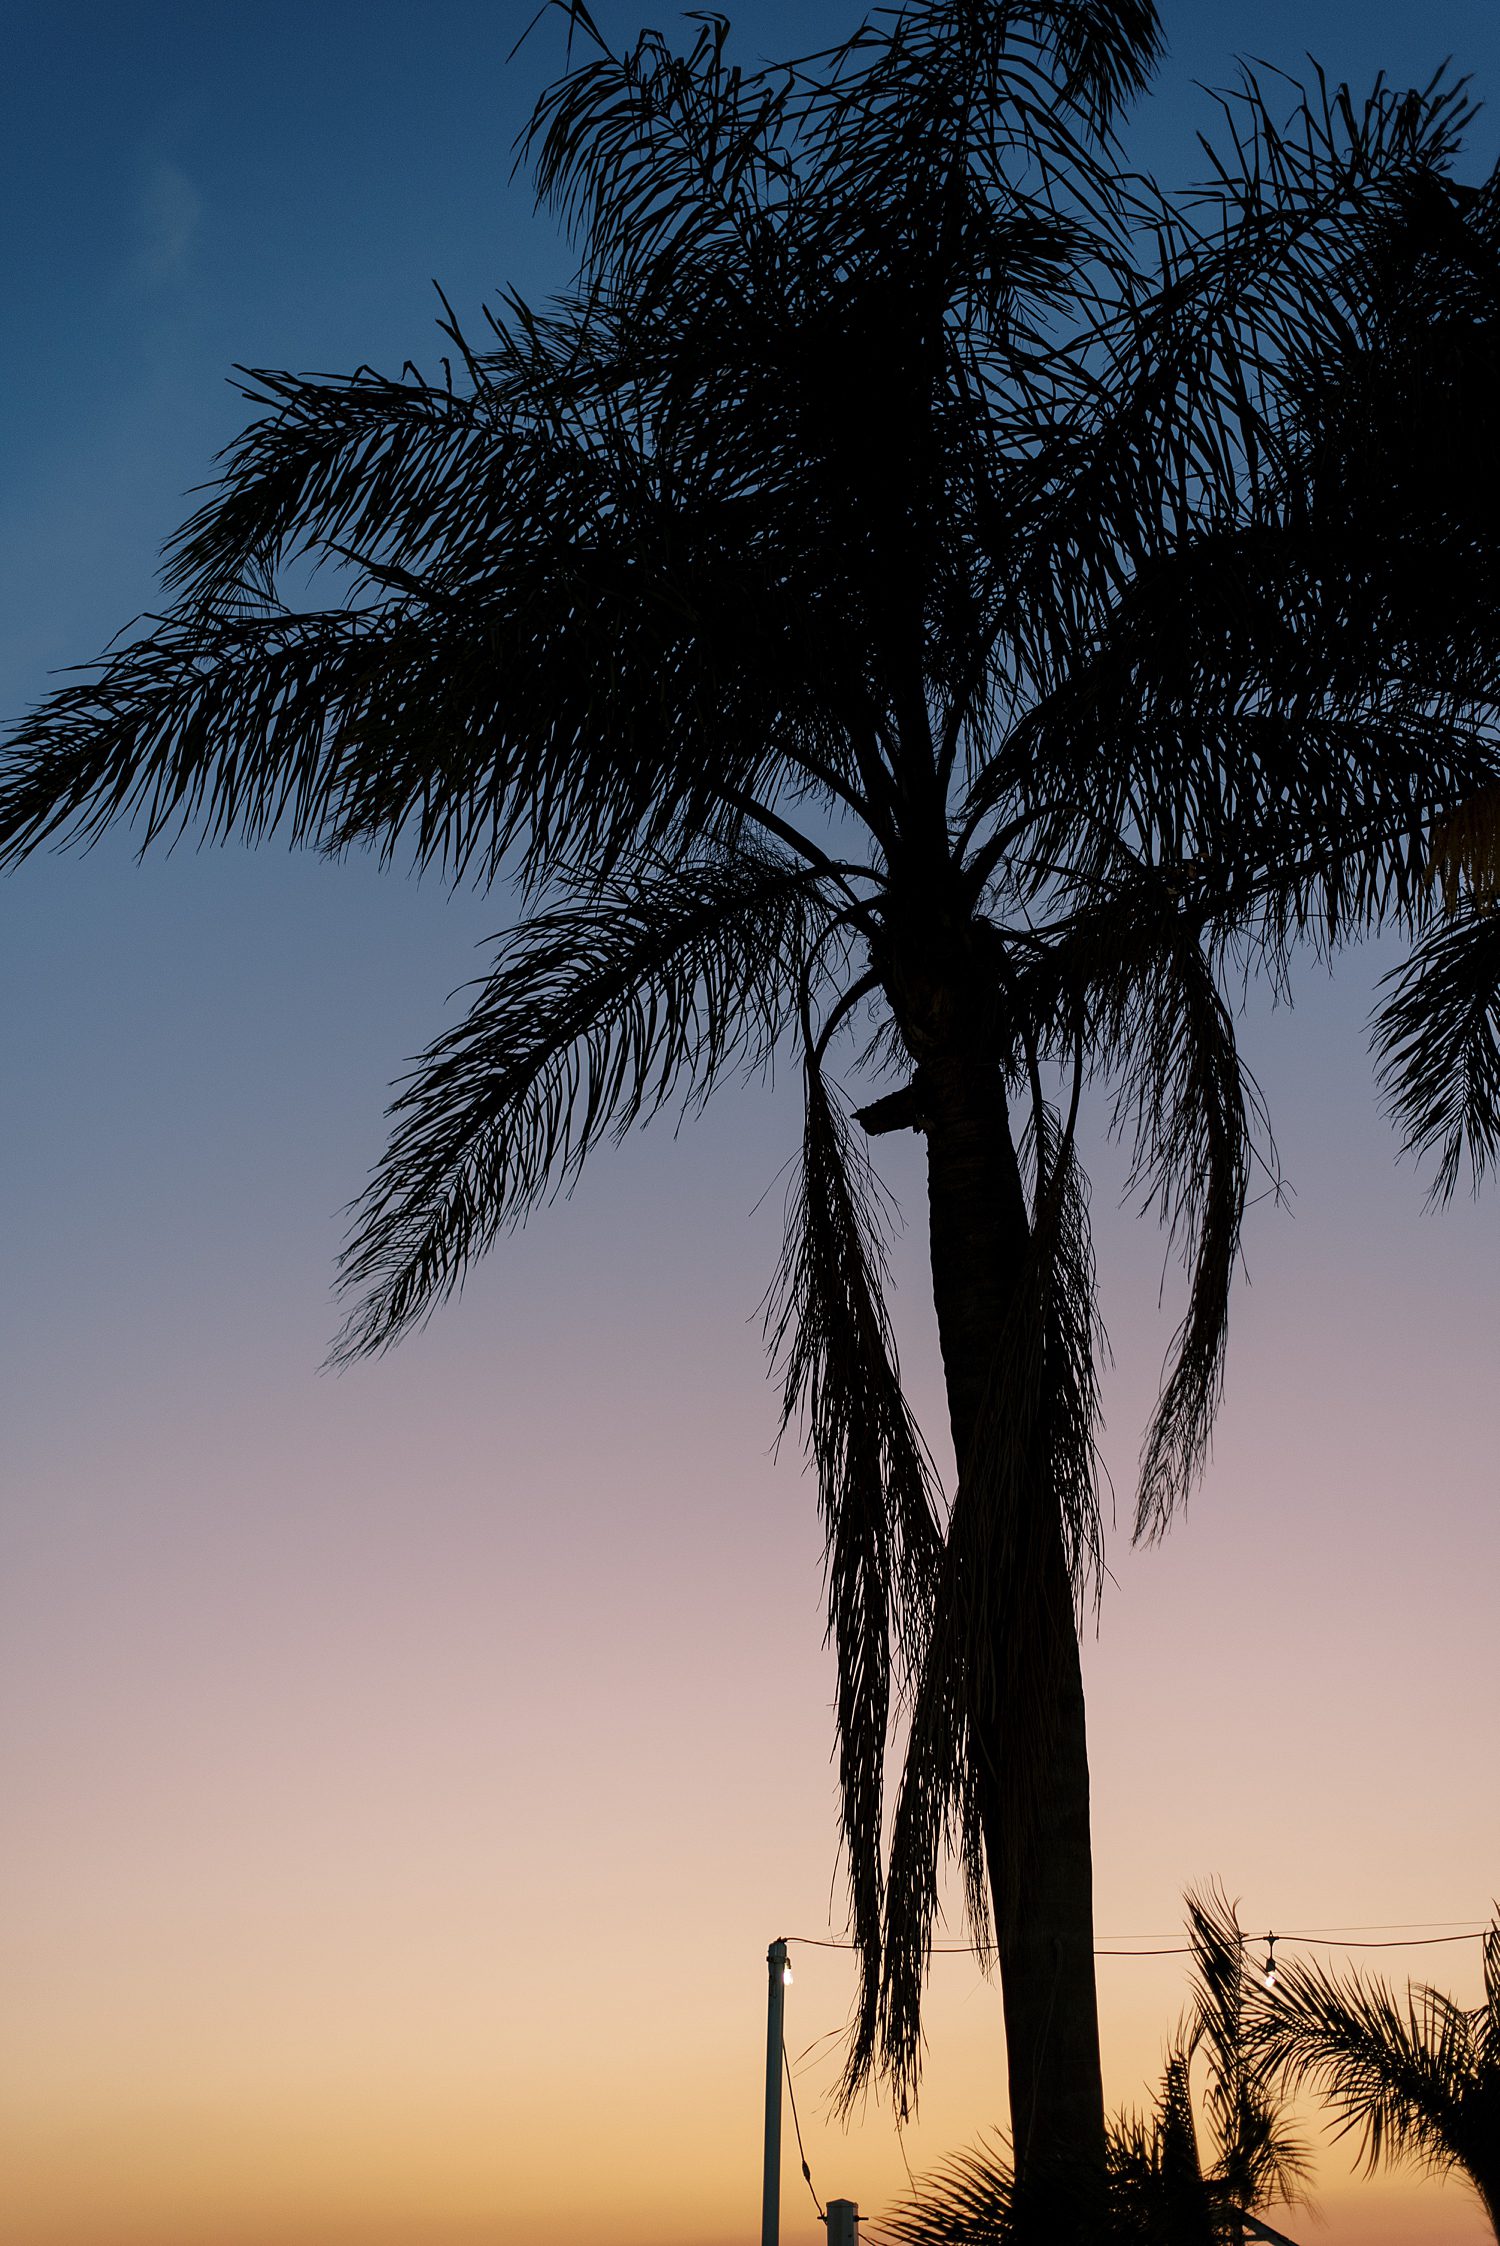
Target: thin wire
(1373,1926)
(796,2124)
(1370,1926)
(1423,1942)
(1314,1942)
(1471,1933)
(1182,1949)
(821,1942)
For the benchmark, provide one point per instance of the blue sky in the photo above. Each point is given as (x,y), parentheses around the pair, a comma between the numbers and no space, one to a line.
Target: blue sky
(192,187)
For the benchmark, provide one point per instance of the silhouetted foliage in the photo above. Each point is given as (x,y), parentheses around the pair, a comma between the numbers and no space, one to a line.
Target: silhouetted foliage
(1413,2079)
(1161,2192)
(927,598)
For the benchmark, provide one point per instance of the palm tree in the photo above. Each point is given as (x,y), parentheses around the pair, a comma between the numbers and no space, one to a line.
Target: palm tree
(894,599)
(1416,2079)
(1160,2192)
(1405,437)
(1258,2157)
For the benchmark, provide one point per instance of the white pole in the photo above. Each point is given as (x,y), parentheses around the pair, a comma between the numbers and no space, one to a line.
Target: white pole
(843,2222)
(770,2204)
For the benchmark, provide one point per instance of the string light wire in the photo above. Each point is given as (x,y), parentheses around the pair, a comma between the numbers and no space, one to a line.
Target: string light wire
(1313,1941)
(796,2124)
(1323,1938)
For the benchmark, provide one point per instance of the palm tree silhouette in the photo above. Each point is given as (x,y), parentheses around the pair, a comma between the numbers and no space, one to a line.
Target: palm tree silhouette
(893,598)
(1258,2158)
(1416,2079)
(1161,2191)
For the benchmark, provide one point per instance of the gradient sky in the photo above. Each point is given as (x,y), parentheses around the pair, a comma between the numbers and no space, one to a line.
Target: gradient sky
(405,1771)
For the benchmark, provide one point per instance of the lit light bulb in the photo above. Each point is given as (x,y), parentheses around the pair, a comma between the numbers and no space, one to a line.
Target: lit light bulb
(786,1974)
(1269,1973)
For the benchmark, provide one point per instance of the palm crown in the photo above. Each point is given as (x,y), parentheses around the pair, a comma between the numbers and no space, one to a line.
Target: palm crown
(920,588)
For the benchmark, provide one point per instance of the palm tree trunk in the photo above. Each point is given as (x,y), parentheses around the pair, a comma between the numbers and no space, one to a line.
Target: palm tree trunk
(1030,1758)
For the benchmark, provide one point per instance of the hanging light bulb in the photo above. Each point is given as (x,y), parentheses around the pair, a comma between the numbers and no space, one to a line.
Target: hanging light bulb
(1268,1973)
(786,1974)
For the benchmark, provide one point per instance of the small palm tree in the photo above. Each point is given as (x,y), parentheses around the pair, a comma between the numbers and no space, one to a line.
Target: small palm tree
(1161,2192)
(1415,2078)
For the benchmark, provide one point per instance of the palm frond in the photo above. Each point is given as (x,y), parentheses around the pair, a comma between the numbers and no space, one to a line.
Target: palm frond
(1438,1036)
(1107,50)
(1194,1111)
(369,467)
(584,702)
(1204,685)
(1259,2156)
(1186,2205)
(245,727)
(654,155)
(1487,2025)
(935,1819)
(1415,2079)
(967,2201)
(1076,1346)
(1136,971)
(831,1333)
(596,1014)
(1393,2072)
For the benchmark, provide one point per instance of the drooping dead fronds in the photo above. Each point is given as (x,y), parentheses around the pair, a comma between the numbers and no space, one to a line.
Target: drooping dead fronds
(832,1337)
(1195,1114)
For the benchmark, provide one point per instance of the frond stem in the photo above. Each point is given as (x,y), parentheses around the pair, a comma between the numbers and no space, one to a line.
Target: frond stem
(843,1007)
(838,870)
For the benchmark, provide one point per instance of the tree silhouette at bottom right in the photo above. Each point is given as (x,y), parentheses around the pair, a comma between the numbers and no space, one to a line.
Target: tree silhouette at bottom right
(1416,2079)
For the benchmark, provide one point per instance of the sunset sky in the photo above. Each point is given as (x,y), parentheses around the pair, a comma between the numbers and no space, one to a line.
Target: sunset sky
(405,1770)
